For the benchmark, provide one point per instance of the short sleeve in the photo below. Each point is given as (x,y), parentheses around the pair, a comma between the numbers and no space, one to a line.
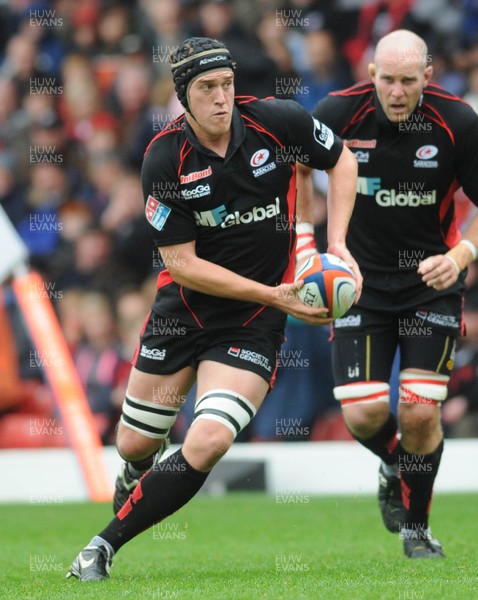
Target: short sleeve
(170,217)
(311,142)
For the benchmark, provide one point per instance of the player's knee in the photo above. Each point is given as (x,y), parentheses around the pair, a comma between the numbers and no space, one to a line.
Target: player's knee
(206,443)
(133,446)
(365,406)
(218,417)
(143,427)
(421,395)
(418,421)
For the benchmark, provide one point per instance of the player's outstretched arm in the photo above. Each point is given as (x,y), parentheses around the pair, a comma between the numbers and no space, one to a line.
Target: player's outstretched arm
(442,271)
(191,271)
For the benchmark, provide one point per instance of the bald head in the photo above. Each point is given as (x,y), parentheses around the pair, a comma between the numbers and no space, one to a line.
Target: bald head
(402,46)
(400,72)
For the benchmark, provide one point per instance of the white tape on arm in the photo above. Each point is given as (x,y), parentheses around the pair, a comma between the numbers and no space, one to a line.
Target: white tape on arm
(305,246)
(471,247)
(453,262)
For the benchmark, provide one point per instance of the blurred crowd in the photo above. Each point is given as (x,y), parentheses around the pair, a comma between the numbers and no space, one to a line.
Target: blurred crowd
(84,86)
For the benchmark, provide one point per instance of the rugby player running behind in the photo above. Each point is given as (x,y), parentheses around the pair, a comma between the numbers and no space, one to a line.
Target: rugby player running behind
(228,281)
(415,144)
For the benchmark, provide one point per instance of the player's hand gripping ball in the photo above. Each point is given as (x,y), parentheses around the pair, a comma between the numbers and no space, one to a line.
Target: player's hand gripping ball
(328,283)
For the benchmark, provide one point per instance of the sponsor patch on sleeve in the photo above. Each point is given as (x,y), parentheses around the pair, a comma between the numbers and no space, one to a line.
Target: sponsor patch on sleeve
(156,213)
(323,135)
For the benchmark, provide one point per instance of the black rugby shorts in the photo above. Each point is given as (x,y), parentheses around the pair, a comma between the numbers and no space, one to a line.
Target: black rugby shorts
(166,346)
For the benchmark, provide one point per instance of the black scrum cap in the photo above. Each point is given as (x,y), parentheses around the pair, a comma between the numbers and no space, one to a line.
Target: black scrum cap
(194,57)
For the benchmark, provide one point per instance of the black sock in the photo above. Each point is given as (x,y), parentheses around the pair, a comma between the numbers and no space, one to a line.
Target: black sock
(418,473)
(137,467)
(164,489)
(384,442)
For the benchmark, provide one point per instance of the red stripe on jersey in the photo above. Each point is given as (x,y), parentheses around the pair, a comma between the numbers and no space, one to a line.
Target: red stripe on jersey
(439,120)
(182,155)
(168,129)
(361,114)
(253,125)
(246,323)
(164,278)
(181,291)
(452,236)
(288,276)
(143,329)
(442,93)
(355,90)
(244,99)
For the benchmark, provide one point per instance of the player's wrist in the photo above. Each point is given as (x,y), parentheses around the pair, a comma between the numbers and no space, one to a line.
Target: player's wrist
(462,255)
(454,263)
(471,247)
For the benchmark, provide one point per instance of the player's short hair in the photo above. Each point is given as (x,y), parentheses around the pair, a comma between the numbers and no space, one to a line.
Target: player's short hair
(192,58)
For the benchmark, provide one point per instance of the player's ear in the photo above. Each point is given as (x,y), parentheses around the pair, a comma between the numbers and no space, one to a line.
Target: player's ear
(372,71)
(428,73)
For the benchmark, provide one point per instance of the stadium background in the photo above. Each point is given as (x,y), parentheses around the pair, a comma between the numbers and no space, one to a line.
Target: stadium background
(84,85)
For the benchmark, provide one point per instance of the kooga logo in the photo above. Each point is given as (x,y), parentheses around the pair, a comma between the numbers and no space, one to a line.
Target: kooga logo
(205,61)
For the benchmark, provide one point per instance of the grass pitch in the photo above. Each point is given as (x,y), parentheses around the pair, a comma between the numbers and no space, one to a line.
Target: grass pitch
(243,546)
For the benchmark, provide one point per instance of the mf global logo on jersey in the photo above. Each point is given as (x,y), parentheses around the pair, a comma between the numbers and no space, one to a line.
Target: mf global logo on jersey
(258,159)
(424,155)
(372,186)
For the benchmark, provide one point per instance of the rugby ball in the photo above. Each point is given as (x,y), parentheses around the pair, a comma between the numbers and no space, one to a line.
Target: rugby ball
(328,283)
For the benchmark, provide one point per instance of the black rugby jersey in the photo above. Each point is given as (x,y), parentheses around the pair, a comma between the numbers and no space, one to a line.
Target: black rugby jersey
(240,209)
(408,173)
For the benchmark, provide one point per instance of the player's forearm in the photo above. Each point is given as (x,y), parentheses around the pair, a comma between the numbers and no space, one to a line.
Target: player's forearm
(208,278)
(341,198)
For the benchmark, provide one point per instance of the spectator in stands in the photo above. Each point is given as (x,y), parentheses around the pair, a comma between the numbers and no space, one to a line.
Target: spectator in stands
(100,365)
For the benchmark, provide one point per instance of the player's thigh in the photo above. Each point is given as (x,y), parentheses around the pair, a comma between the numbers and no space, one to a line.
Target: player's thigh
(362,360)
(363,356)
(212,375)
(428,349)
(166,389)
